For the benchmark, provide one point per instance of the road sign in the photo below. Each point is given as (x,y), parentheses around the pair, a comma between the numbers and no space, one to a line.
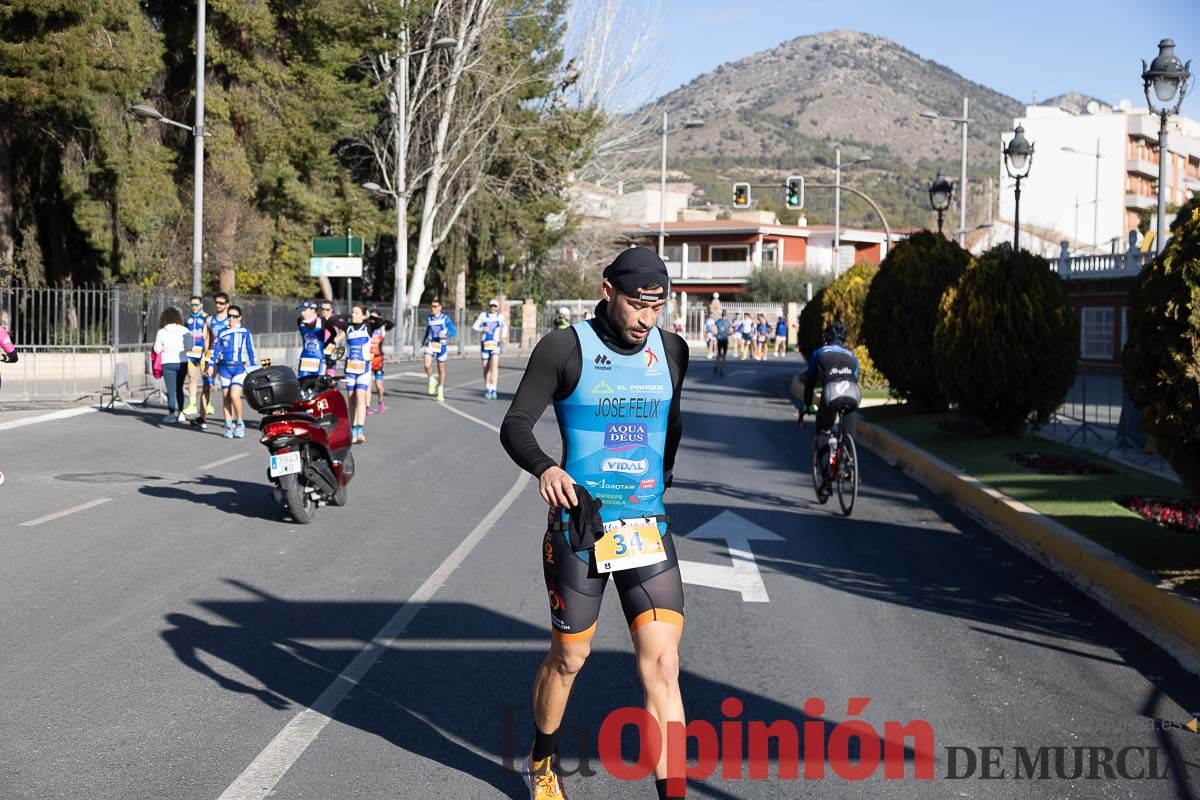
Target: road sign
(742,576)
(337,246)
(335,267)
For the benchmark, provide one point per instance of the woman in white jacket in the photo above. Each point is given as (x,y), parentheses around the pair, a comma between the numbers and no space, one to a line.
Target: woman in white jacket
(171,342)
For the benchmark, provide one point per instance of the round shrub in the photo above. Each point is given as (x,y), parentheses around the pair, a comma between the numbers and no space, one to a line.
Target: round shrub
(1162,357)
(902,310)
(1007,341)
(869,377)
(844,299)
(812,325)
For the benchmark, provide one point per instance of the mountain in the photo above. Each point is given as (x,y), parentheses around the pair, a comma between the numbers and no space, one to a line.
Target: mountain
(782,110)
(1074,102)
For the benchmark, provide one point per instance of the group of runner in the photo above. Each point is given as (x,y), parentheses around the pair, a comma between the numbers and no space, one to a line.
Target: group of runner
(752,338)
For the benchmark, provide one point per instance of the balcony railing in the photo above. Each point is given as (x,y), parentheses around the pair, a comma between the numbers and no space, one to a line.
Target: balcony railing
(1113,265)
(710,270)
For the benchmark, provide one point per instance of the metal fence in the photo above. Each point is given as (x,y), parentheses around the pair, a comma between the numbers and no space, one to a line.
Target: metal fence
(88,316)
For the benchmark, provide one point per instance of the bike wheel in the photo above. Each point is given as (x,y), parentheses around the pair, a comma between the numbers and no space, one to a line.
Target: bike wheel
(297,499)
(847,477)
(818,475)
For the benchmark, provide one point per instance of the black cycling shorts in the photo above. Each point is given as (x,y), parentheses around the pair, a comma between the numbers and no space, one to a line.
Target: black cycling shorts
(575,589)
(722,346)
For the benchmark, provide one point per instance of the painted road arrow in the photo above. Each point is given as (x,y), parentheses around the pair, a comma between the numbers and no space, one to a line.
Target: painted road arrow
(743,575)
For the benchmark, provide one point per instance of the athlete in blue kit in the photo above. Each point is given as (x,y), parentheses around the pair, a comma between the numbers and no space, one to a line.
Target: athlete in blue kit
(493,333)
(439,330)
(233,357)
(615,383)
(358,370)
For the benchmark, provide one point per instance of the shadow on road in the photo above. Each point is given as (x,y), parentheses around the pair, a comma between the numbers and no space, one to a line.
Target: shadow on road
(462,704)
(241,498)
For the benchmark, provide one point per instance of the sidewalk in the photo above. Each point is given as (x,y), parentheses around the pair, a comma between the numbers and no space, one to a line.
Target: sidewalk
(1102,440)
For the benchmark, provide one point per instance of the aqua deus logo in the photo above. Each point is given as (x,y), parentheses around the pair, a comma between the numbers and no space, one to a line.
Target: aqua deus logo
(624,435)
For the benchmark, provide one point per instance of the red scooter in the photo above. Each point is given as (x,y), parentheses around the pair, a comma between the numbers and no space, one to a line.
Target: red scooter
(306,428)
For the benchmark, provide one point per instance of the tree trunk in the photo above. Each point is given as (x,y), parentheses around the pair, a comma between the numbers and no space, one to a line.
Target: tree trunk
(7,221)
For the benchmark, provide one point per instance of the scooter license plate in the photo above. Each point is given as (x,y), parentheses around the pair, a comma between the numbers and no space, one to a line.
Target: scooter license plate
(285,464)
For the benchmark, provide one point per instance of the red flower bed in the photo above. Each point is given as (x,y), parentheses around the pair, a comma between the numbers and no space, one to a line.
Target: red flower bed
(1170,512)
(1053,464)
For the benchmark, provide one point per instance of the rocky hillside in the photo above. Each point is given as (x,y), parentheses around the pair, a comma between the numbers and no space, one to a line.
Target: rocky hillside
(783,109)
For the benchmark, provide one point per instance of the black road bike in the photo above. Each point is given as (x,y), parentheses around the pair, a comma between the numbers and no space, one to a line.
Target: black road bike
(836,469)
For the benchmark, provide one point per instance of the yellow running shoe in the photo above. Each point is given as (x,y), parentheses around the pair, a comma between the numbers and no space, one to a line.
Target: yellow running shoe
(190,408)
(543,779)
(432,385)
(210,409)
(441,394)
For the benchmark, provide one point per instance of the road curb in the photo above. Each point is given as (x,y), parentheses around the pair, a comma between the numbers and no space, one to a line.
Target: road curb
(1169,619)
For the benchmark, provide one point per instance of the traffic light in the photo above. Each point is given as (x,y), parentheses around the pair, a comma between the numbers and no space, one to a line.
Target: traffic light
(741,195)
(795,192)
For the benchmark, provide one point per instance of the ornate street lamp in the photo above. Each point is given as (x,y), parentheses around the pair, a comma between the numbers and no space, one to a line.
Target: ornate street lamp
(1169,77)
(1018,158)
(939,196)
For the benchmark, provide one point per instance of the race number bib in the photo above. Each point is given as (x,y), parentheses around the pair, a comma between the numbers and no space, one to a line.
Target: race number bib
(435,347)
(357,366)
(196,351)
(310,365)
(489,344)
(629,543)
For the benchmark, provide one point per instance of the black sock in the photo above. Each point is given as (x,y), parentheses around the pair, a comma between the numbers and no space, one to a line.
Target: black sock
(661,785)
(543,744)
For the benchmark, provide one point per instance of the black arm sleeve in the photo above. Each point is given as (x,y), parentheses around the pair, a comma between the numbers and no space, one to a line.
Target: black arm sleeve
(677,360)
(11,357)
(552,373)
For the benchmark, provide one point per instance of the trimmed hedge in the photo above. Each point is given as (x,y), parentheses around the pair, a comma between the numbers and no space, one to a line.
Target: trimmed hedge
(844,299)
(902,310)
(1162,357)
(812,324)
(1007,341)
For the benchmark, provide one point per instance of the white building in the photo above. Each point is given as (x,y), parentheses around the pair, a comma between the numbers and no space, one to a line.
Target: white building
(1060,192)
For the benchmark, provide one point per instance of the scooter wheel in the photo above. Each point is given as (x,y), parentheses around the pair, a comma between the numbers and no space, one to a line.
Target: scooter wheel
(297,499)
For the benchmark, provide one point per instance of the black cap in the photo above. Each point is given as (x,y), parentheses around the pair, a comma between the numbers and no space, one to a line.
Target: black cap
(636,268)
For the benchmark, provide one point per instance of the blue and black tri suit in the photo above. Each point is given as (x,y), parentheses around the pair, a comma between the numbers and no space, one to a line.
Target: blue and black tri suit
(196,325)
(358,357)
(313,339)
(439,330)
(618,413)
(233,353)
(828,364)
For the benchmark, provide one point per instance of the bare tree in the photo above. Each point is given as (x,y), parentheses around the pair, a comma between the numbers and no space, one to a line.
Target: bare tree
(610,46)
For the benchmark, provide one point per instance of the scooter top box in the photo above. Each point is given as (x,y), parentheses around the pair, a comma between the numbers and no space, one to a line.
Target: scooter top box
(272,389)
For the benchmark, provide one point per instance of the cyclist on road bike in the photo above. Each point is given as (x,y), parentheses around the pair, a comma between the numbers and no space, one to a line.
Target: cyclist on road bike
(615,382)
(837,370)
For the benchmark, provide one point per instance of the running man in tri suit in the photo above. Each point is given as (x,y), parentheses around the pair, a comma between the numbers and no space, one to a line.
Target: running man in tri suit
(233,357)
(781,336)
(439,330)
(762,333)
(336,324)
(615,382)
(217,322)
(196,323)
(722,330)
(493,333)
(316,340)
(747,337)
(710,336)
(378,326)
(358,373)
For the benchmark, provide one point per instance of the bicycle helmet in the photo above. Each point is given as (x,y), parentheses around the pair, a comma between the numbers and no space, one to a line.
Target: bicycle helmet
(835,333)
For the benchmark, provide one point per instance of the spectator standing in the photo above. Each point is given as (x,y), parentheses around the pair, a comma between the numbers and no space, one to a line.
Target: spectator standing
(8,352)
(172,342)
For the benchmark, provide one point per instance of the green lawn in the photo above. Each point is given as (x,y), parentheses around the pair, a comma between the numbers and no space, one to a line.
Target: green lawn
(1083,503)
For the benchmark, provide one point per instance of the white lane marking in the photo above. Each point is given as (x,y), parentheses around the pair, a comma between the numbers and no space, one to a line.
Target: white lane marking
(65,413)
(476,420)
(221,461)
(258,780)
(743,576)
(89,504)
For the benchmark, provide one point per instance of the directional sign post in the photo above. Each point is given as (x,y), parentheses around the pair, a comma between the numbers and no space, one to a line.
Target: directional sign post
(743,575)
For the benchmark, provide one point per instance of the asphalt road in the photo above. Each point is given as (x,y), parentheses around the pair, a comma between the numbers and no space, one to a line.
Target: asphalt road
(165,638)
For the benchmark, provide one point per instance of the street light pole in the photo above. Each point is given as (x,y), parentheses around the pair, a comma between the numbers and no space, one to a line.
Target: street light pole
(198,156)
(1168,75)
(662,190)
(1018,158)
(1095,198)
(400,90)
(962,181)
(837,209)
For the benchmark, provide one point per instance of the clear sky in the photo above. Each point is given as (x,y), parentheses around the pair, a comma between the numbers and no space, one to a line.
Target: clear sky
(1017,47)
